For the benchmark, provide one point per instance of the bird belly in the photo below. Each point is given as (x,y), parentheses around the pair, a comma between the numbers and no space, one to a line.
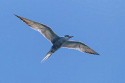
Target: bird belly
(58,44)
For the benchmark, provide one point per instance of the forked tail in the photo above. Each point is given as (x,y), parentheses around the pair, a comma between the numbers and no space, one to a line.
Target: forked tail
(47,56)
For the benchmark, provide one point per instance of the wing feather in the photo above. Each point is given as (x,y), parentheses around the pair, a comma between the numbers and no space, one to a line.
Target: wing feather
(43,29)
(79,46)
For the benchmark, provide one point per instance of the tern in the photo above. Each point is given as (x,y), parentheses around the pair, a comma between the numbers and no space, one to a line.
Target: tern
(57,41)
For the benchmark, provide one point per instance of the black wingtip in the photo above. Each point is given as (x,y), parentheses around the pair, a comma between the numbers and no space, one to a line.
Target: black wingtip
(96,53)
(17,16)
(21,18)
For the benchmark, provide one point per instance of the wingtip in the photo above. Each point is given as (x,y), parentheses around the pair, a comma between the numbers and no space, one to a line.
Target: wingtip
(17,16)
(92,52)
(27,21)
(96,53)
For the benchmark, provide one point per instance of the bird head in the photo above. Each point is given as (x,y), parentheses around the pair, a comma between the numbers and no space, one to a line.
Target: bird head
(67,36)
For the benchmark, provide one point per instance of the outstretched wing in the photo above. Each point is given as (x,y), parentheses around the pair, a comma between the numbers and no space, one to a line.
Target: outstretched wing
(79,46)
(43,29)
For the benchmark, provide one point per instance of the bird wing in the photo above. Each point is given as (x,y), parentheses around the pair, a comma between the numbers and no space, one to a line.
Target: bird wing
(43,29)
(79,46)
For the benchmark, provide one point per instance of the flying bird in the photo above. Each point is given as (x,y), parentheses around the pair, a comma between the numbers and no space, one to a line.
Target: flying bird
(57,41)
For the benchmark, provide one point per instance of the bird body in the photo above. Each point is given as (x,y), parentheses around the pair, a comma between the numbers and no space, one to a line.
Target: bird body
(57,42)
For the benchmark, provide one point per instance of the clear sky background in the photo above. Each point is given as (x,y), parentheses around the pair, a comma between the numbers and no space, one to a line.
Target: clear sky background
(98,23)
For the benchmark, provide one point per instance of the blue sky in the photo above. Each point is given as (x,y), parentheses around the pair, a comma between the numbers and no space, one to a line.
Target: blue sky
(100,24)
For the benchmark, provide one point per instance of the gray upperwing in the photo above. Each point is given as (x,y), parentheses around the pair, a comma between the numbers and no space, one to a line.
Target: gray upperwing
(43,29)
(79,46)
